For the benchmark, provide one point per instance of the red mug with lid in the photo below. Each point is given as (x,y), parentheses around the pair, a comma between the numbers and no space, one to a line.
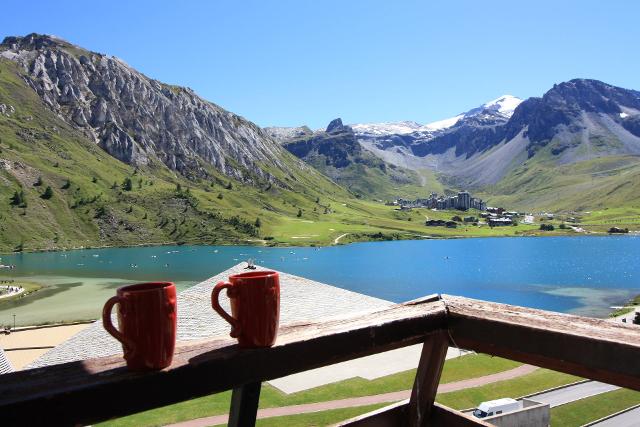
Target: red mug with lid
(147,322)
(255,307)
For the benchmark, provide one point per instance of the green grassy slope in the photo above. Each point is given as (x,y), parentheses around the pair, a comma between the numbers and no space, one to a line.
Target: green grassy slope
(371,178)
(90,206)
(542,183)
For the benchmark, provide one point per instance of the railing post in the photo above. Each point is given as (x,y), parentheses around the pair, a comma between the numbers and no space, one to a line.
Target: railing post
(244,405)
(425,386)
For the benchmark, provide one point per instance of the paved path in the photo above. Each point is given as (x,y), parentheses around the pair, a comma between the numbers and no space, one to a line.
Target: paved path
(626,419)
(364,400)
(573,393)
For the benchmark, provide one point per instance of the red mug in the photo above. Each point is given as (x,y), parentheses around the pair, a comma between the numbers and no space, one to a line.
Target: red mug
(147,321)
(255,307)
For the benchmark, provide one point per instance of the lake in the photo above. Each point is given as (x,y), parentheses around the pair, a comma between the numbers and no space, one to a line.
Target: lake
(582,275)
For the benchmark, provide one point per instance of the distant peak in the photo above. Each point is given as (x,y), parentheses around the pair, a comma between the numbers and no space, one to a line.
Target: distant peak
(505,104)
(335,125)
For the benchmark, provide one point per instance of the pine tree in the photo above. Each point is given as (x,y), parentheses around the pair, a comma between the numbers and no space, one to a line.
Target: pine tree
(18,198)
(258,223)
(48,193)
(127,185)
(299,213)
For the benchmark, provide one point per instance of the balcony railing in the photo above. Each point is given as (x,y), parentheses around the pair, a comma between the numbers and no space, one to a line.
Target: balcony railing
(100,389)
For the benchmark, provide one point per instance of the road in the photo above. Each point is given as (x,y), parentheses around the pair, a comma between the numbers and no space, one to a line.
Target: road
(573,393)
(626,419)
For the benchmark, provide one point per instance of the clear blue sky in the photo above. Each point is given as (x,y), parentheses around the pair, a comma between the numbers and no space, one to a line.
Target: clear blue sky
(287,63)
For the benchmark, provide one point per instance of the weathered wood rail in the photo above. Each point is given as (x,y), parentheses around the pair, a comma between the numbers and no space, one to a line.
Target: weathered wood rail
(99,389)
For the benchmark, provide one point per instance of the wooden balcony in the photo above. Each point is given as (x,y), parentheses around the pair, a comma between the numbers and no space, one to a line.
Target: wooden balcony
(99,389)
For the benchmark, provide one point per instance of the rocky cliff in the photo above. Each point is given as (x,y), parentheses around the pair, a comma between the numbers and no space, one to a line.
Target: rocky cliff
(337,153)
(138,119)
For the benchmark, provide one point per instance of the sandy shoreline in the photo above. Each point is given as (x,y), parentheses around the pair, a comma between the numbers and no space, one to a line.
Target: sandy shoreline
(24,345)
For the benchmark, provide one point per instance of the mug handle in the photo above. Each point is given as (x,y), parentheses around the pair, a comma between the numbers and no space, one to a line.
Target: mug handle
(108,326)
(215,303)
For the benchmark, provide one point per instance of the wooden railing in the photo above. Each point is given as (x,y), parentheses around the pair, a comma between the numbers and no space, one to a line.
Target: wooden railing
(99,389)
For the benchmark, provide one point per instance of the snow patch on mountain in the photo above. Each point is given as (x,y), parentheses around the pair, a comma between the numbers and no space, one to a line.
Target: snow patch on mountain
(504,106)
(387,128)
(444,124)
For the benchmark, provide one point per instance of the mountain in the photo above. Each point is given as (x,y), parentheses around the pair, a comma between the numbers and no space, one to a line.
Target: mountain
(337,153)
(383,160)
(94,153)
(540,152)
(139,120)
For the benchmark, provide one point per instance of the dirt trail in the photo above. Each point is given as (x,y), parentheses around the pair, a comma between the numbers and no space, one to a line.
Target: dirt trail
(337,239)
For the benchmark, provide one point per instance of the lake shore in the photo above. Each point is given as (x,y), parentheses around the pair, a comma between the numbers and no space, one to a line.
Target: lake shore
(341,240)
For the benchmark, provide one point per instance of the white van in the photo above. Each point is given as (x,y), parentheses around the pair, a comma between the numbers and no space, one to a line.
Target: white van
(497,407)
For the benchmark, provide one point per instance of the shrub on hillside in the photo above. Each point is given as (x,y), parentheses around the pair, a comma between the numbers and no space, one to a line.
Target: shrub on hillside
(18,199)
(547,227)
(48,193)
(127,184)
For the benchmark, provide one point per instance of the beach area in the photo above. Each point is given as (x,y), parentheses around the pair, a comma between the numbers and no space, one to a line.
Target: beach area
(24,345)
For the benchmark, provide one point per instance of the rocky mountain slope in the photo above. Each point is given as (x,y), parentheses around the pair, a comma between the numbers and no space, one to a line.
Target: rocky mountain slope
(139,120)
(577,145)
(337,154)
(578,121)
(93,153)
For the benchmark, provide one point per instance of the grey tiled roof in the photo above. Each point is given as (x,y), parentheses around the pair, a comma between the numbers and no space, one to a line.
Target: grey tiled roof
(301,300)
(5,365)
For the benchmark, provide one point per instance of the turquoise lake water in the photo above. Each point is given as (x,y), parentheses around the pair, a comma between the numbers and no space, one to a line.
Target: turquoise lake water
(582,275)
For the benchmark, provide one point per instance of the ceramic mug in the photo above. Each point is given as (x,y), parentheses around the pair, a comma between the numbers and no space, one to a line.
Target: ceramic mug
(147,320)
(255,307)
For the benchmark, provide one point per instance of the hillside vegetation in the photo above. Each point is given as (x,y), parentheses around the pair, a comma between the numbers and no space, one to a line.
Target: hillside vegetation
(97,200)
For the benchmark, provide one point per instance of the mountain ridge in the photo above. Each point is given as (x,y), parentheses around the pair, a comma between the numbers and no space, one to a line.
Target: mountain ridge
(60,188)
(485,149)
(138,119)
